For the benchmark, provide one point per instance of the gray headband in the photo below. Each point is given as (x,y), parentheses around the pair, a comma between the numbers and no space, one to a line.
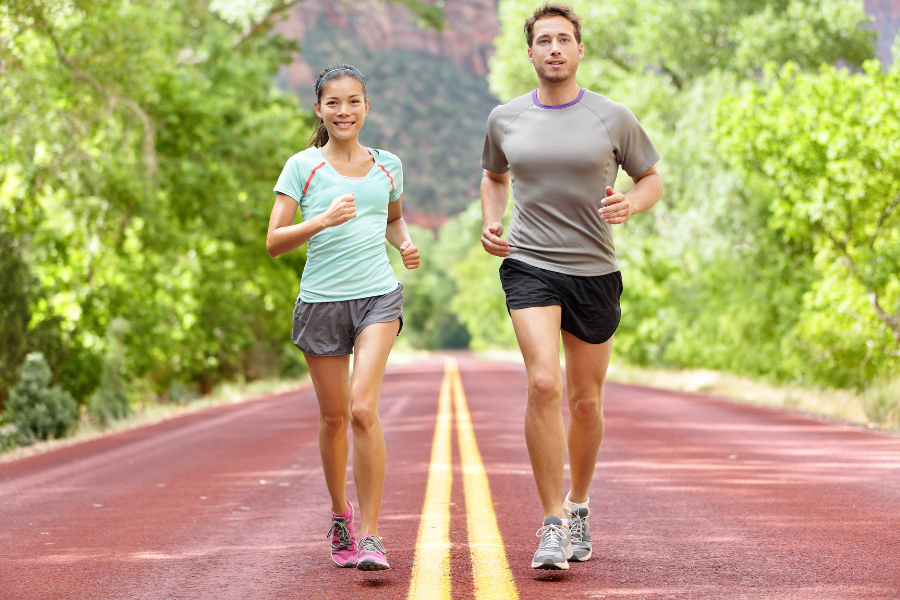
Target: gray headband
(338,69)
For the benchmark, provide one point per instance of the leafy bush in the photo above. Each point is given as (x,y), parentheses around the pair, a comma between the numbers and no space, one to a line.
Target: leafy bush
(110,401)
(36,410)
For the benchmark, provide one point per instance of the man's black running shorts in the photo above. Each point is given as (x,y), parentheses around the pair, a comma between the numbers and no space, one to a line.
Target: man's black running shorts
(590,305)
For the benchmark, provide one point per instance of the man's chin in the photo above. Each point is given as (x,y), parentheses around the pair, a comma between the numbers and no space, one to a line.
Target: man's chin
(554,77)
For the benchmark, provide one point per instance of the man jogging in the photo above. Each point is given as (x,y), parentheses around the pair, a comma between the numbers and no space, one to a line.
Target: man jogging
(562,146)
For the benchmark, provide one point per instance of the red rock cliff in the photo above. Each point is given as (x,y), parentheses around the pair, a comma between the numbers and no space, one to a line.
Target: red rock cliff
(467,38)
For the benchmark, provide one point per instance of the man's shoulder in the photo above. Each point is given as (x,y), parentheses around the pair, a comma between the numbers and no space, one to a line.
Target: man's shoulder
(603,107)
(511,109)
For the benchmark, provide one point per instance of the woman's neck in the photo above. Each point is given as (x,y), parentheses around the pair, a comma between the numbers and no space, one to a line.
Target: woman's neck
(343,150)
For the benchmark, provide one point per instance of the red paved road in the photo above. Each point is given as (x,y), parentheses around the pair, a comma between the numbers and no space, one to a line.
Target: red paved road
(693,498)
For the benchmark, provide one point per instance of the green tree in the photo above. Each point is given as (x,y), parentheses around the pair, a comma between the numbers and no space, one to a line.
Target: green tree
(140,142)
(827,143)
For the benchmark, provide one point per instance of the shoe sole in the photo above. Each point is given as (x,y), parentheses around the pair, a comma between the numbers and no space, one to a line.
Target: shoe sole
(582,559)
(363,566)
(347,565)
(550,566)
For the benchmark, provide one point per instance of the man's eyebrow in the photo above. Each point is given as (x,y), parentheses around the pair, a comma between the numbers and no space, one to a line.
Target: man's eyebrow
(555,33)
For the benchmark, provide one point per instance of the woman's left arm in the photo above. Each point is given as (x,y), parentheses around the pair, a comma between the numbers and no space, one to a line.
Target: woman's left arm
(397,235)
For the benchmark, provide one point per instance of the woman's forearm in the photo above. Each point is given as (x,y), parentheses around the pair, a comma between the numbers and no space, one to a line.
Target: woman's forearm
(285,239)
(397,232)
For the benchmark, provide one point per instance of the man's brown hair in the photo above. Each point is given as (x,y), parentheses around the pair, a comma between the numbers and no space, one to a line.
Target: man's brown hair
(552,9)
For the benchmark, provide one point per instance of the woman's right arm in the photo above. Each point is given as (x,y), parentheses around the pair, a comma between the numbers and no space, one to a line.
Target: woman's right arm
(284,236)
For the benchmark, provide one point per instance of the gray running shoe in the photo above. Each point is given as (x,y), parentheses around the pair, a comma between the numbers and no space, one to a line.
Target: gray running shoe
(556,546)
(580,530)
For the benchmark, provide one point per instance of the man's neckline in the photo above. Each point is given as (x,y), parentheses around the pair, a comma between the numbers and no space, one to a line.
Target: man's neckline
(534,98)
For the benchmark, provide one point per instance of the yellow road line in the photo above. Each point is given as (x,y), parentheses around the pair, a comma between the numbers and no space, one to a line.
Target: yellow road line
(492,577)
(431,567)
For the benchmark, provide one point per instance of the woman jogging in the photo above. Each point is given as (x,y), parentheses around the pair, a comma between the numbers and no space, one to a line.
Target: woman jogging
(350,300)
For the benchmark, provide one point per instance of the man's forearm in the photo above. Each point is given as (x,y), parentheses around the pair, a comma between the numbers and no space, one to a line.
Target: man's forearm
(494,198)
(647,192)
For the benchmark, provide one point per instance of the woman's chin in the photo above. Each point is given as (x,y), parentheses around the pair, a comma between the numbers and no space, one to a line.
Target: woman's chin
(344,134)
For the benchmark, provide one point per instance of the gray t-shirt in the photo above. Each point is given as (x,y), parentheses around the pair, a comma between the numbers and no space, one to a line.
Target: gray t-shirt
(561,159)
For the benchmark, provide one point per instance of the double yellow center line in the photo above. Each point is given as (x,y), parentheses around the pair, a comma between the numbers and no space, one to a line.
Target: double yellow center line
(431,569)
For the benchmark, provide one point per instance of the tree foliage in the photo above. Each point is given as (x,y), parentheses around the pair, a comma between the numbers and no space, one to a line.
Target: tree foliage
(827,143)
(140,142)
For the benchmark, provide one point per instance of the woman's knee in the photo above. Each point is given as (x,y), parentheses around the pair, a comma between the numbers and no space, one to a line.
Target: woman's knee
(364,416)
(334,423)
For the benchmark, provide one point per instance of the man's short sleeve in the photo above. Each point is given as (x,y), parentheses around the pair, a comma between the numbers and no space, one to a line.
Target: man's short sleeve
(634,150)
(493,158)
(289,182)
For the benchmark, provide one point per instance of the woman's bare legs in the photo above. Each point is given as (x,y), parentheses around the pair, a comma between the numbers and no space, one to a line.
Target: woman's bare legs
(331,380)
(372,347)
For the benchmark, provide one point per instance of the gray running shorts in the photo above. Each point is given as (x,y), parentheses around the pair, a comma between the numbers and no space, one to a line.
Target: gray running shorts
(330,328)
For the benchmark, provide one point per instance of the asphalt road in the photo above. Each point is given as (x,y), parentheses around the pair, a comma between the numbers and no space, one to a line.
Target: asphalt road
(693,497)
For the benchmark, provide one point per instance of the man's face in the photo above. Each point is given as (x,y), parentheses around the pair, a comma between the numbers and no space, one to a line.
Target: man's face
(554,51)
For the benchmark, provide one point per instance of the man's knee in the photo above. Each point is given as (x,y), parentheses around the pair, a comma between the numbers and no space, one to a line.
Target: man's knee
(586,406)
(544,386)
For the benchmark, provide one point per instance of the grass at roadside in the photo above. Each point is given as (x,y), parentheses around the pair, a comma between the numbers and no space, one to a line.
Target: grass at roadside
(876,407)
(149,413)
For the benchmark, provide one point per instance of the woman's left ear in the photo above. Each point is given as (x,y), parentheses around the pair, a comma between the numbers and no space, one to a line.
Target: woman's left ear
(367,106)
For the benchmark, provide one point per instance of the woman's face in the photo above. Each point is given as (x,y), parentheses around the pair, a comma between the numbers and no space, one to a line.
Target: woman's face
(343,107)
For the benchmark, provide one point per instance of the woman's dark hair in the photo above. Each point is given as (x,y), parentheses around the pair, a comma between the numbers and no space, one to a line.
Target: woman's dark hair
(332,73)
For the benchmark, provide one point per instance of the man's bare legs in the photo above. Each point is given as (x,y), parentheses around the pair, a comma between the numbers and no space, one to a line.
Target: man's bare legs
(537,331)
(344,402)
(586,366)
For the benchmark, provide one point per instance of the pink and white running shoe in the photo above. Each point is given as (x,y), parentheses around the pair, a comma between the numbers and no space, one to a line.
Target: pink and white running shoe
(371,554)
(343,540)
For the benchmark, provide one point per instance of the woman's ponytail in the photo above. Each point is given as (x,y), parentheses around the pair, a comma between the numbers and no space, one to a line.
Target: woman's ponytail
(320,135)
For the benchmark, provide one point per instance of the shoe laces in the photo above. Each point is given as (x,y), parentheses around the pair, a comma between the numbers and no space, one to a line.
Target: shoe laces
(343,532)
(551,535)
(370,543)
(576,526)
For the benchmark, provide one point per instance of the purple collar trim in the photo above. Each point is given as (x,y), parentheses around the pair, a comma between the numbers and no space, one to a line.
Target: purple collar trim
(557,106)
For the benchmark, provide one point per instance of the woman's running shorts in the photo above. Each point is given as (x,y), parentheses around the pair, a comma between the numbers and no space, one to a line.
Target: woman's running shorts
(330,328)
(590,305)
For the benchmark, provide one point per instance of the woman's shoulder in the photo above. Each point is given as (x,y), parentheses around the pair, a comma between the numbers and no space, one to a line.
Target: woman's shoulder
(387,159)
(306,158)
